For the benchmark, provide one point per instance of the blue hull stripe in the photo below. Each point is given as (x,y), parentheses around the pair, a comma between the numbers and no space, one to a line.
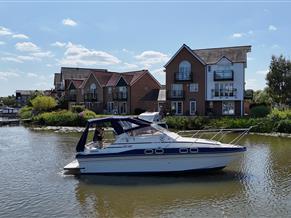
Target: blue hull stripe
(166,151)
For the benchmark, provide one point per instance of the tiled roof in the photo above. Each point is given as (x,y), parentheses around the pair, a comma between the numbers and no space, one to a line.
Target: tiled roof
(129,77)
(77,83)
(213,55)
(102,77)
(77,73)
(151,96)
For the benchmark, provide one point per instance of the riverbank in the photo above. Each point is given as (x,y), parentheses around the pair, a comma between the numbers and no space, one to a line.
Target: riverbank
(70,129)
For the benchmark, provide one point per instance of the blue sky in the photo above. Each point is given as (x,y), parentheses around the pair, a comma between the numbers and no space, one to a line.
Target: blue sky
(36,39)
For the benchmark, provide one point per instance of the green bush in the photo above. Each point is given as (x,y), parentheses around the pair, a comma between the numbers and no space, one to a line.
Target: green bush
(43,103)
(25,112)
(259,111)
(64,118)
(59,118)
(77,108)
(280,114)
(284,126)
(184,123)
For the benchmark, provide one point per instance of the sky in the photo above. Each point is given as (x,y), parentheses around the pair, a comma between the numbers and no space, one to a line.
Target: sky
(38,38)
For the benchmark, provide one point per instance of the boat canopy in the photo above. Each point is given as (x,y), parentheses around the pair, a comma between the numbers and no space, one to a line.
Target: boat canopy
(120,124)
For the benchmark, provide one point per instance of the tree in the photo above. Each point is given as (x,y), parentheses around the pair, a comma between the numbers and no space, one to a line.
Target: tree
(279,80)
(43,103)
(262,97)
(9,101)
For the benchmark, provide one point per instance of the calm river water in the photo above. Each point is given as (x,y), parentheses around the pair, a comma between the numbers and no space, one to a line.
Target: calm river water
(32,183)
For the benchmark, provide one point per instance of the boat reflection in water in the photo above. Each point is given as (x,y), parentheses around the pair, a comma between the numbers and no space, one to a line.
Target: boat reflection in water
(152,196)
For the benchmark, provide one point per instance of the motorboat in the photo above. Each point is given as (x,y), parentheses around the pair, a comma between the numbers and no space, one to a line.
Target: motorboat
(139,146)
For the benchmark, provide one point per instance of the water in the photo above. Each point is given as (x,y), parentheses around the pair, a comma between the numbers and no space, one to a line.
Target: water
(32,183)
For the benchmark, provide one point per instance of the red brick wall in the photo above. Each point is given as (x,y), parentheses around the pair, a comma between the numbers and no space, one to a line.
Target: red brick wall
(198,73)
(139,89)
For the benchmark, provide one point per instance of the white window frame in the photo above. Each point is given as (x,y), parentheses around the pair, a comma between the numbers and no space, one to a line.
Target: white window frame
(228,110)
(109,89)
(174,106)
(190,107)
(110,107)
(193,87)
(124,106)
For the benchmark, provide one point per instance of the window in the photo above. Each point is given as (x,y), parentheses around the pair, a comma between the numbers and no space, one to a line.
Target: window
(223,75)
(209,68)
(193,87)
(228,107)
(123,108)
(93,87)
(177,107)
(123,91)
(109,90)
(224,90)
(192,107)
(184,71)
(110,107)
(177,90)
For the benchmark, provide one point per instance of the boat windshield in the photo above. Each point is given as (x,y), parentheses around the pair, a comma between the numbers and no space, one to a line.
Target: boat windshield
(149,130)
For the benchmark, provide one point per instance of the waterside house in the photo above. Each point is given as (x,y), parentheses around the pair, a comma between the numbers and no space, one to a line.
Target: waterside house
(104,91)
(207,81)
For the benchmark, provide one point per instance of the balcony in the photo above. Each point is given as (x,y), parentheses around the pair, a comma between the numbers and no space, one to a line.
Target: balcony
(223,75)
(120,96)
(223,93)
(175,94)
(183,76)
(89,97)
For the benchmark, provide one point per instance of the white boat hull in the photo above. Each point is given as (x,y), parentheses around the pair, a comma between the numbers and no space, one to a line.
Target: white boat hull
(155,164)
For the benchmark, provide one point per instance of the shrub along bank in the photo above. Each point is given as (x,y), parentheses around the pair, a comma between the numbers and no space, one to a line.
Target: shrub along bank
(276,121)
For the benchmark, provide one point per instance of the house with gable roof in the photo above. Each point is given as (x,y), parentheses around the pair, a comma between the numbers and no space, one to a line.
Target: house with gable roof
(207,81)
(109,92)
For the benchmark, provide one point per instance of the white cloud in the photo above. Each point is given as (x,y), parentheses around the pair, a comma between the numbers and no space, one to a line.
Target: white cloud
(42,54)
(263,72)
(130,66)
(272,28)
(27,58)
(69,22)
(59,44)
(32,75)
(250,59)
(13,59)
(5,31)
(2,43)
(149,58)
(237,35)
(20,36)
(79,55)
(27,47)
(8,74)
(275,46)
(20,58)
(159,72)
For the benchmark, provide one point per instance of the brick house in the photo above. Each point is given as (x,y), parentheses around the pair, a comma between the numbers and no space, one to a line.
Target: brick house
(109,92)
(206,81)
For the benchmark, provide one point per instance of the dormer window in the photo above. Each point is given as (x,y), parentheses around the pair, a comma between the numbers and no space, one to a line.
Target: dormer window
(184,71)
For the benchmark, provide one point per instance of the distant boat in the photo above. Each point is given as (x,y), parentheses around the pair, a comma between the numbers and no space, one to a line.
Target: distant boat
(145,147)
